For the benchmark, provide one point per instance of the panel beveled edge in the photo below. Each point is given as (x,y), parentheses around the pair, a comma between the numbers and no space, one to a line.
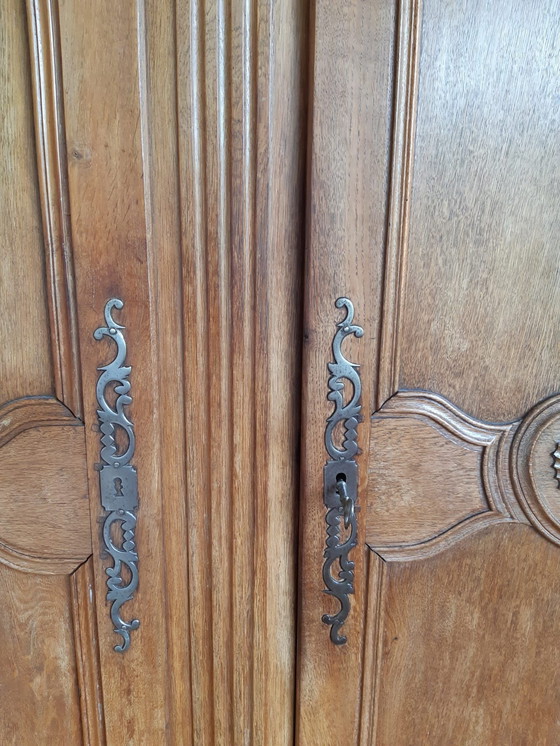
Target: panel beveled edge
(405,91)
(26,412)
(52,175)
(493,439)
(17,416)
(404,85)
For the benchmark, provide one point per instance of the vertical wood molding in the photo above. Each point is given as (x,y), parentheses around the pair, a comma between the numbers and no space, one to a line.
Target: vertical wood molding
(87,655)
(402,158)
(222,111)
(241,144)
(158,124)
(44,47)
(373,630)
(196,221)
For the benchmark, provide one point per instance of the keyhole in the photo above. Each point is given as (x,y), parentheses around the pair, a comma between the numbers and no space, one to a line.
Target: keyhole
(118,487)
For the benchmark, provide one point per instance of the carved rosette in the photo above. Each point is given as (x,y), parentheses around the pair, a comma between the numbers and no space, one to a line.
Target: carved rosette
(556,462)
(534,481)
(340,475)
(117,477)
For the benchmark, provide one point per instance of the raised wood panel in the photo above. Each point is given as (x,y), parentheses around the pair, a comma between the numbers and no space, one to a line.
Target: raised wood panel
(43,495)
(423,482)
(469,644)
(481,292)
(191,162)
(38,677)
(436,474)
(25,363)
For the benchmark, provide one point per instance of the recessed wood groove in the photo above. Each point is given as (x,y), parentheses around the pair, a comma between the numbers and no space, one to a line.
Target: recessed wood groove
(87,655)
(192,148)
(37,564)
(44,45)
(19,415)
(162,214)
(402,150)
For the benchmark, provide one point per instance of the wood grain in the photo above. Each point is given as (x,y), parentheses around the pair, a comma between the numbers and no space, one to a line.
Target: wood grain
(470,644)
(33,411)
(532,467)
(422,484)
(451,255)
(351,49)
(482,299)
(242,154)
(44,49)
(25,363)
(191,164)
(437,474)
(44,497)
(87,655)
(405,96)
(103,115)
(43,492)
(38,682)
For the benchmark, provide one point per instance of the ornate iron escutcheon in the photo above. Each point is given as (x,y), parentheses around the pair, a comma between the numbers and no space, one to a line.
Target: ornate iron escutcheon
(118,480)
(340,474)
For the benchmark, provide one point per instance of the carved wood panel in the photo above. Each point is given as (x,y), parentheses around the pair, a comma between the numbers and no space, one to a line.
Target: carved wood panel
(450,257)
(438,474)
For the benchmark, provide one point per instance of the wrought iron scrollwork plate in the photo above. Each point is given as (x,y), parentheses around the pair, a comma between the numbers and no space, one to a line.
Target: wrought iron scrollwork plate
(118,480)
(340,474)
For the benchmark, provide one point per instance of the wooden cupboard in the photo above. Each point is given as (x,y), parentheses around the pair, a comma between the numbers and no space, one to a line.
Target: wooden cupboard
(228,170)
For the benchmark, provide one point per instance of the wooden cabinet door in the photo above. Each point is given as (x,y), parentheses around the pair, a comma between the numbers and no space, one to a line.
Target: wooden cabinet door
(49,673)
(151,152)
(434,176)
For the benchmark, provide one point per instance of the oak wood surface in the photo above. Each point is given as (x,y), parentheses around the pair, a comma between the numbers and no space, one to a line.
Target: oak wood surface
(45,533)
(25,364)
(481,295)
(470,644)
(351,49)
(451,260)
(44,500)
(52,176)
(190,162)
(38,682)
(435,486)
(87,654)
(162,161)
(156,150)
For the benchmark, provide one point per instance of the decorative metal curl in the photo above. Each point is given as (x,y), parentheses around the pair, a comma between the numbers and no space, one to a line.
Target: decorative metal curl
(340,474)
(556,462)
(117,477)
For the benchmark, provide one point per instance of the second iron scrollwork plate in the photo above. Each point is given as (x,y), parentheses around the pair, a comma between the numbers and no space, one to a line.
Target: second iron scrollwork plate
(340,474)
(117,477)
